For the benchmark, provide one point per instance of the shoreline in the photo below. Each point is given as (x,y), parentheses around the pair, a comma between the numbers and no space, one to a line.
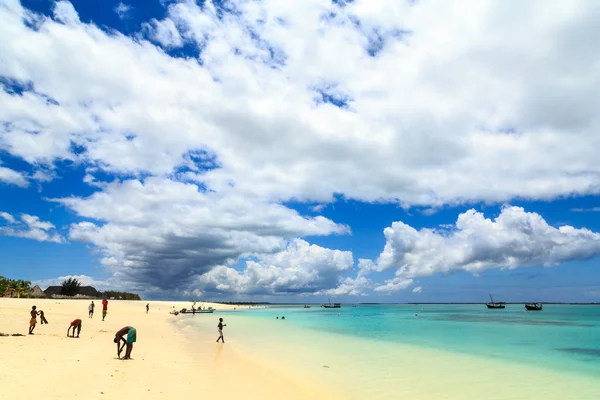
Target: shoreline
(165,362)
(370,369)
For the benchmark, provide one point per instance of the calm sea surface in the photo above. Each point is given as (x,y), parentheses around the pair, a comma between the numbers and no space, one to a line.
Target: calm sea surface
(561,337)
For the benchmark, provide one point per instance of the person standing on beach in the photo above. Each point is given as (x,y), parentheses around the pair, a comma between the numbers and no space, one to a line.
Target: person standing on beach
(131,339)
(76,324)
(43,319)
(33,320)
(91,309)
(104,308)
(147,308)
(220,326)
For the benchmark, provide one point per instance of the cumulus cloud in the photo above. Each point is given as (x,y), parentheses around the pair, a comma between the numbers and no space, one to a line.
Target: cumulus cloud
(358,286)
(417,289)
(29,227)
(434,104)
(298,269)
(476,112)
(394,285)
(514,239)
(163,232)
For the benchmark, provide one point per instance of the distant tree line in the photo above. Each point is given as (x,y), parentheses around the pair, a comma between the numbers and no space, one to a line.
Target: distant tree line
(14,287)
(69,287)
(123,295)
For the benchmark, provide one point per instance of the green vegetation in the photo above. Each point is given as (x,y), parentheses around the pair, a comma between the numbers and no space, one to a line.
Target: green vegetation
(70,287)
(14,287)
(123,295)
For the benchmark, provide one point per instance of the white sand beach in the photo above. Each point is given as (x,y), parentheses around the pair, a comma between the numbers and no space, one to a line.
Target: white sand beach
(165,362)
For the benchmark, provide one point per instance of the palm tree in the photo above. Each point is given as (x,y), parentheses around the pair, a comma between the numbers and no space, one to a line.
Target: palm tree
(70,287)
(13,287)
(3,286)
(22,287)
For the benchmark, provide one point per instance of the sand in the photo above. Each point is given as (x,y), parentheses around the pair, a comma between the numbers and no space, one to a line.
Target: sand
(166,362)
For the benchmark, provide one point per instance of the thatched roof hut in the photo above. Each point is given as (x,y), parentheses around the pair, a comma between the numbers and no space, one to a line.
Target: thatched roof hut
(36,292)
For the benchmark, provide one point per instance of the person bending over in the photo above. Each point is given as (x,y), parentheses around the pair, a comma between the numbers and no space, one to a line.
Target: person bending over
(131,339)
(76,325)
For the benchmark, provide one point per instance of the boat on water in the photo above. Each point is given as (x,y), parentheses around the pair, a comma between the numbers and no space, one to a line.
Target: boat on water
(493,304)
(331,305)
(208,310)
(306,306)
(533,306)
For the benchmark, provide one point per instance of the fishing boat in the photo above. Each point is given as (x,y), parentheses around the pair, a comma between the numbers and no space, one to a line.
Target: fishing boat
(533,306)
(493,304)
(331,305)
(208,310)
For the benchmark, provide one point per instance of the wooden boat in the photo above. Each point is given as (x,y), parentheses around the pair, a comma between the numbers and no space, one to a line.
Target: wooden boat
(533,306)
(197,311)
(330,305)
(494,304)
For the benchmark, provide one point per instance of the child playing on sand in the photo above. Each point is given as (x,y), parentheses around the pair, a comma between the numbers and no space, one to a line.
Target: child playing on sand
(104,308)
(220,326)
(43,319)
(76,324)
(91,309)
(131,339)
(147,308)
(33,320)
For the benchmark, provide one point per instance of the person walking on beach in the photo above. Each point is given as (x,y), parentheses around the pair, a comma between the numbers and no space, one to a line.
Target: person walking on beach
(76,324)
(104,308)
(43,319)
(220,326)
(91,309)
(32,320)
(147,308)
(131,339)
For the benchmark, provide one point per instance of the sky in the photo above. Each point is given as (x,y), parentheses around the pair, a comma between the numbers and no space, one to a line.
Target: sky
(366,151)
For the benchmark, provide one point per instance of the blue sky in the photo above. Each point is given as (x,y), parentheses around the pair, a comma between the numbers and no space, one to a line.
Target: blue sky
(248,150)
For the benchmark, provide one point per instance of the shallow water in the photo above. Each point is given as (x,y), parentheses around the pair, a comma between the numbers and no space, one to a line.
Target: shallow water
(373,351)
(561,337)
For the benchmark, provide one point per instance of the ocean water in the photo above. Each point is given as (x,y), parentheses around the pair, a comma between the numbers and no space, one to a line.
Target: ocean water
(365,347)
(558,337)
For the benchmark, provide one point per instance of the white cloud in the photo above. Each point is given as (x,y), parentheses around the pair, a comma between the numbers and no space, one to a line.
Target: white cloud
(417,289)
(449,111)
(164,232)
(65,12)
(8,217)
(349,287)
(164,32)
(513,239)
(299,268)
(29,227)
(591,209)
(123,10)
(12,177)
(476,112)
(394,285)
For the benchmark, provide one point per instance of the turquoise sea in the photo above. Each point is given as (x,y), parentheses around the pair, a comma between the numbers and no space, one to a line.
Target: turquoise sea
(559,337)
(375,350)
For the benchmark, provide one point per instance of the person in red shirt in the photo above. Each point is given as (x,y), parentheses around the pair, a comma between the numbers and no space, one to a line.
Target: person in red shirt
(76,324)
(104,308)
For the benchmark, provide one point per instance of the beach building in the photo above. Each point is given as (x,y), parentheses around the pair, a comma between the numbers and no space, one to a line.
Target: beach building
(36,292)
(88,291)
